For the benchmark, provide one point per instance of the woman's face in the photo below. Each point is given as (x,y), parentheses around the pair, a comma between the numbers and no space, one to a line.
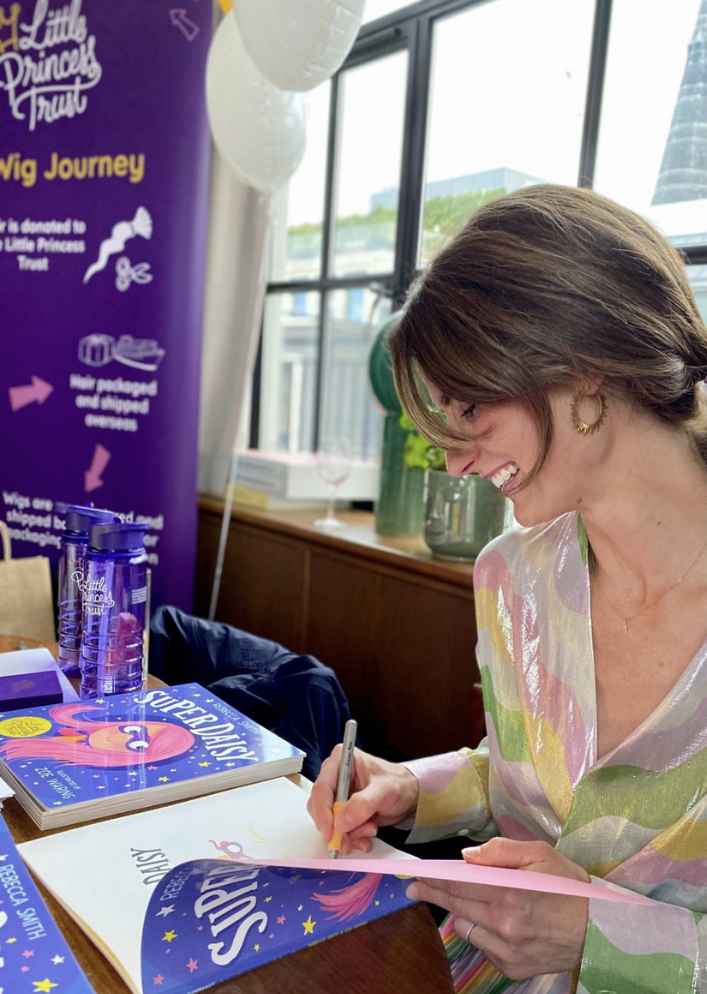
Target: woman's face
(509,448)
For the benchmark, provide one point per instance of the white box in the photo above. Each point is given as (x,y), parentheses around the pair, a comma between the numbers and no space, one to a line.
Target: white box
(294,476)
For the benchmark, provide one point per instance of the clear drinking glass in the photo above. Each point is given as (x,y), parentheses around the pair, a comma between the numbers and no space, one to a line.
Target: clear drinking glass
(334,459)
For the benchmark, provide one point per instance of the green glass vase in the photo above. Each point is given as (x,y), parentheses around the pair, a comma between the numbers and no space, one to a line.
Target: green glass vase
(400,509)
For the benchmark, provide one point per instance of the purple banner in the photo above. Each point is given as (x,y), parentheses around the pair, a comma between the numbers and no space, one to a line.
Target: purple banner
(103,200)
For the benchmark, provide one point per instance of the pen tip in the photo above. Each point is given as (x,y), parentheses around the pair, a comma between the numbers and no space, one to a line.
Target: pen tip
(333,853)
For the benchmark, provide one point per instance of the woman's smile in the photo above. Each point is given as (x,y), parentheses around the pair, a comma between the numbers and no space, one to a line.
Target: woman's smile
(504,475)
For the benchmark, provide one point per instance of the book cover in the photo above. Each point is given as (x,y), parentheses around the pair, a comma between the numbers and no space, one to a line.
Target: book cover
(219,924)
(175,913)
(34,955)
(73,762)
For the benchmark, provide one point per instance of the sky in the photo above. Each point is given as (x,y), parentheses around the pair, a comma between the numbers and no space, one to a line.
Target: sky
(647,54)
(508,89)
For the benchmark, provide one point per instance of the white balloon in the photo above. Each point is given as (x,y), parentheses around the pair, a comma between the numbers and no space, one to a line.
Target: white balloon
(298,44)
(258,129)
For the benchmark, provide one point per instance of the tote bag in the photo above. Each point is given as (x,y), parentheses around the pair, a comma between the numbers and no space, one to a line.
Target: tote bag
(25,594)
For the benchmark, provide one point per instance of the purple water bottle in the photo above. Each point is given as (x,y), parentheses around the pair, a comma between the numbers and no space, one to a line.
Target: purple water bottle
(71,569)
(114,610)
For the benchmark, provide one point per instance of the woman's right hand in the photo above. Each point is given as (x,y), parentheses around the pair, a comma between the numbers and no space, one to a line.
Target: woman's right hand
(382,793)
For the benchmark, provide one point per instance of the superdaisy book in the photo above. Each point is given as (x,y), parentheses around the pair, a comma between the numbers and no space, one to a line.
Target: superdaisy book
(76,762)
(34,955)
(177,911)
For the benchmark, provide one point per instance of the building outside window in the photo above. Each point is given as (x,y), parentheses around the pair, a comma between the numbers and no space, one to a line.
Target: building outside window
(442,106)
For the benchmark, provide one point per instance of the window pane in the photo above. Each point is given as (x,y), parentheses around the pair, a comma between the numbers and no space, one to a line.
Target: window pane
(371,112)
(299,206)
(652,152)
(348,408)
(289,372)
(509,83)
(697,275)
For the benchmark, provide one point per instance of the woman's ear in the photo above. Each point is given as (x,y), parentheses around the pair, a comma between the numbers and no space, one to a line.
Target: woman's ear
(595,381)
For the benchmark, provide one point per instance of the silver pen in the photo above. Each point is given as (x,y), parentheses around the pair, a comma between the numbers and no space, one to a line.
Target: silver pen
(344,781)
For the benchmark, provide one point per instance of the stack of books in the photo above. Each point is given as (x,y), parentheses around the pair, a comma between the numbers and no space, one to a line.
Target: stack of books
(75,762)
(168,898)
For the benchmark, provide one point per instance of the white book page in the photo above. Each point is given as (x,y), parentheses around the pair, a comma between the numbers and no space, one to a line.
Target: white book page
(105,873)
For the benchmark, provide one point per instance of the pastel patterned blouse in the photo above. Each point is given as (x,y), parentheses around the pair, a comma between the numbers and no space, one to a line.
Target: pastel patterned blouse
(636,818)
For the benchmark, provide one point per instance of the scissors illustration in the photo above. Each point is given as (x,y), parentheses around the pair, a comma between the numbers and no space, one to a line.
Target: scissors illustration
(127,274)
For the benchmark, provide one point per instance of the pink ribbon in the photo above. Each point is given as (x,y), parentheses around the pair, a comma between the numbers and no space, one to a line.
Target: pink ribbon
(462,872)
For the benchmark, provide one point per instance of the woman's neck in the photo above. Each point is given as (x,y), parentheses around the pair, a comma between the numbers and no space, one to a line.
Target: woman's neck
(646,515)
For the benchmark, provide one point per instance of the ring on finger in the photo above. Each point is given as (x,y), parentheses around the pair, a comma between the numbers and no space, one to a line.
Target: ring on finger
(468,932)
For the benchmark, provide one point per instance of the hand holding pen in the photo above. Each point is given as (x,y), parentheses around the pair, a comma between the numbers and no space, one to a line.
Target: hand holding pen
(381,793)
(343,783)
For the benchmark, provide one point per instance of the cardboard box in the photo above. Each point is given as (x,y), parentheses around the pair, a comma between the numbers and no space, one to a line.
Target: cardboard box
(294,476)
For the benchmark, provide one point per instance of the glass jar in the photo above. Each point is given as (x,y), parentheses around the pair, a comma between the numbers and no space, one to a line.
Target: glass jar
(462,514)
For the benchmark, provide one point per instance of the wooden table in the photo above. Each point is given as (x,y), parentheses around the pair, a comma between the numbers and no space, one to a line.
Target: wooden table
(397,954)
(11,643)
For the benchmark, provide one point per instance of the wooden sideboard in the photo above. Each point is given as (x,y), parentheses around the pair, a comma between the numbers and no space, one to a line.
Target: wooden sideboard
(397,626)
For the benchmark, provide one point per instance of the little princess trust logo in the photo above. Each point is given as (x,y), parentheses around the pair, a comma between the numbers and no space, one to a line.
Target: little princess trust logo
(95,596)
(48,64)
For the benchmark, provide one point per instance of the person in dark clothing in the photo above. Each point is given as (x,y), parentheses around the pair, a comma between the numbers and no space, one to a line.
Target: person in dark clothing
(297,697)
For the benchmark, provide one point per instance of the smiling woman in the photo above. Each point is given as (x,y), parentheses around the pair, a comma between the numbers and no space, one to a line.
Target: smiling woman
(542,288)
(559,335)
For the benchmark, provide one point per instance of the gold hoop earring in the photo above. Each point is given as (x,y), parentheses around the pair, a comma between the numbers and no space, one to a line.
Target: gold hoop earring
(580,425)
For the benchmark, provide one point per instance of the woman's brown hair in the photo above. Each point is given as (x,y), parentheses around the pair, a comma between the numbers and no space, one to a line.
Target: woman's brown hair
(541,288)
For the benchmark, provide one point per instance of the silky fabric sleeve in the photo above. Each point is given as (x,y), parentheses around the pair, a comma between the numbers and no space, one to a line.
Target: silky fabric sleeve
(454,786)
(651,948)
(454,796)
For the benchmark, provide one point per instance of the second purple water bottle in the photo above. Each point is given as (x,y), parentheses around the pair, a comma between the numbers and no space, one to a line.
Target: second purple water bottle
(115,604)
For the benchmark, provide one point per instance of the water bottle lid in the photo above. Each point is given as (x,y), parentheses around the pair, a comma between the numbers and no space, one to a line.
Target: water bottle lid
(127,536)
(61,507)
(80,519)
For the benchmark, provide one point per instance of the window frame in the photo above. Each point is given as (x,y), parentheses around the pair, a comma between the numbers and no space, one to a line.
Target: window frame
(370,46)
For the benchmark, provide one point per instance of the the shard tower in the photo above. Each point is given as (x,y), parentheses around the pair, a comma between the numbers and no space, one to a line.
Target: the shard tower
(683,172)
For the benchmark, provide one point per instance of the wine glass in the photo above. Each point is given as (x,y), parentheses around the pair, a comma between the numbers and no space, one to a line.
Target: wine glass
(334,460)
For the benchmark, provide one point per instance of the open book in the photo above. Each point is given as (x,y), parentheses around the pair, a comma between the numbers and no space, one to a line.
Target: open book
(75,762)
(170,908)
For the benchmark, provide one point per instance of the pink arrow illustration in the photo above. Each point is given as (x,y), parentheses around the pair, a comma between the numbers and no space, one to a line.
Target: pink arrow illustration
(92,476)
(179,19)
(21,396)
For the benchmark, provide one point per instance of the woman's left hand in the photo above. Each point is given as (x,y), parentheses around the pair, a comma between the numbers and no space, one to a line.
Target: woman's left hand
(522,932)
